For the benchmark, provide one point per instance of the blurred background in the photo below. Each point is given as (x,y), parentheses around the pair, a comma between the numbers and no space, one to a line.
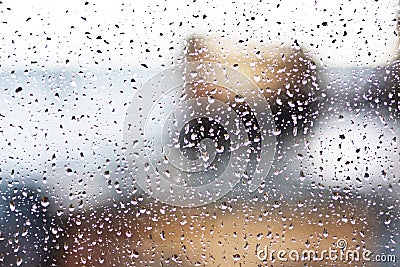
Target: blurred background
(69,69)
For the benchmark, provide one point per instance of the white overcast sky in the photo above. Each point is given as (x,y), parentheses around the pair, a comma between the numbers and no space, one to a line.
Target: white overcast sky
(370,27)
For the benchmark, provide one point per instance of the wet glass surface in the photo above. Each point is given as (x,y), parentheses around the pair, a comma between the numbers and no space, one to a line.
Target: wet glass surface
(193,134)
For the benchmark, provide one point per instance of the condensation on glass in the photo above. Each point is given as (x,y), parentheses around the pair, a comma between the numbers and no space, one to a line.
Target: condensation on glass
(199,133)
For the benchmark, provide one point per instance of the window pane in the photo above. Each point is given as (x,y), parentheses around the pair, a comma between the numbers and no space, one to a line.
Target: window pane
(195,133)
